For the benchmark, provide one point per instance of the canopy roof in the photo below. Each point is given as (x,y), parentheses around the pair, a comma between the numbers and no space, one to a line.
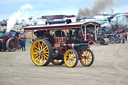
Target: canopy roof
(60,26)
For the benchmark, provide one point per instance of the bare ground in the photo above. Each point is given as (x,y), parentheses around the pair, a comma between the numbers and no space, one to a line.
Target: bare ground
(110,68)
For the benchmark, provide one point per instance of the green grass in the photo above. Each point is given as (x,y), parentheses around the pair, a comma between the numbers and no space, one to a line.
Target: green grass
(28,44)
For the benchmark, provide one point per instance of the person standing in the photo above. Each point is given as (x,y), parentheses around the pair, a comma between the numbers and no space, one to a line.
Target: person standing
(120,38)
(126,36)
(23,43)
(123,37)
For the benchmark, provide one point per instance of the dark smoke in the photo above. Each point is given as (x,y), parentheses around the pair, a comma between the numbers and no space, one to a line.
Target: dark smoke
(98,7)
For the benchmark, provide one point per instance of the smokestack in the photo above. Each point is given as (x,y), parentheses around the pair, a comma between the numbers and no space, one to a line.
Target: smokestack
(98,7)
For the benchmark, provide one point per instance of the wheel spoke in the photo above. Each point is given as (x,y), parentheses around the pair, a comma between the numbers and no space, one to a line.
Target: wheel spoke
(67,60)
(90,54)
(34,53)
(45,57)
(90,58)
(41,45)
(87,53)
(45,52)
(44,48)
(37,58)
(86,61)
(72,62)
(40,60)
(36,48)
(41,57)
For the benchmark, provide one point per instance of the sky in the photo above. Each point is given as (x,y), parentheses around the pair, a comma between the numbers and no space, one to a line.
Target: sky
(28,8)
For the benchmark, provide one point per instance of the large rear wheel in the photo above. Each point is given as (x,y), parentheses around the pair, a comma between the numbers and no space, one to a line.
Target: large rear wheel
(71,58)
(41,52)
(87,57)
(11,45)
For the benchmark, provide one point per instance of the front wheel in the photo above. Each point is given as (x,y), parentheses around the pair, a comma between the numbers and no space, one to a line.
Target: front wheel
(71,58)
(87,57)
(41,52)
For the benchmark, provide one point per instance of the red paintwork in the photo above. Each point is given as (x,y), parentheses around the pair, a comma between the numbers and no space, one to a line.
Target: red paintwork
(121,30)
(91,42)
(60,40)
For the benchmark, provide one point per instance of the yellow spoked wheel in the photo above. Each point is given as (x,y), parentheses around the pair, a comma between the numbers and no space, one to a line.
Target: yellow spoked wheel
(71,58)
(41,52)
(87,57)
(57,62)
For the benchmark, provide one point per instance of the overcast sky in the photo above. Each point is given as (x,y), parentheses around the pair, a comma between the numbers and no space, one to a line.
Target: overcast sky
(28,8)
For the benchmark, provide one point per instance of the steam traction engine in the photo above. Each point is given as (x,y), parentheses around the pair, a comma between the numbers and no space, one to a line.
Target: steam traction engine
(7,42)
(62,43)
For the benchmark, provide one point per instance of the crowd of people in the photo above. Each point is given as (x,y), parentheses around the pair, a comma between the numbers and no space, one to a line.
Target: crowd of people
(122,37)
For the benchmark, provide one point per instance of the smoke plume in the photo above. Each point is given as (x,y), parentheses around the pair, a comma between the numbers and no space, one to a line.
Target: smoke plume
(98,7)
(17,15)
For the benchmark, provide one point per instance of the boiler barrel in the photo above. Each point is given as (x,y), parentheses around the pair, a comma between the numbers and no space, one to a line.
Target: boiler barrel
(76,45)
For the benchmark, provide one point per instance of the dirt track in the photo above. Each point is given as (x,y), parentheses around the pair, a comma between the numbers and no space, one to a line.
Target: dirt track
(110,68)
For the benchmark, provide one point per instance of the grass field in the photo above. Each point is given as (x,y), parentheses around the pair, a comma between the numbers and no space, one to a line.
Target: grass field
(28,44)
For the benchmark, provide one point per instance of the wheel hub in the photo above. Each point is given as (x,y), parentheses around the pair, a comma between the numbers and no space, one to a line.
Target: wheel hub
(40,53)
(86,57)
(71,57)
